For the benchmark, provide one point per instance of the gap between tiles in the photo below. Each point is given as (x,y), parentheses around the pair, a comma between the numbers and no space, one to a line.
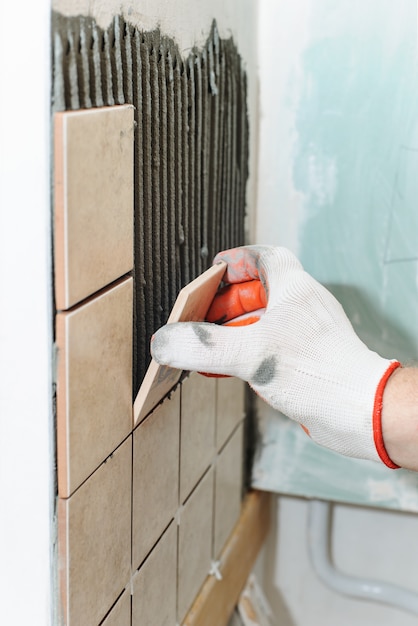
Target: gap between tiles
(167,397)
(177,567)
(144,560)
(189,495)
(112,607)
(236,427)
(213,510)
(177,517)
(109,456)
(130,583)
(225,513)
(96,294)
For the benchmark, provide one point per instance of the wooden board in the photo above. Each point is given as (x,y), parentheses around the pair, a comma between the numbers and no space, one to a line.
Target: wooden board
(217,599)
(191,305)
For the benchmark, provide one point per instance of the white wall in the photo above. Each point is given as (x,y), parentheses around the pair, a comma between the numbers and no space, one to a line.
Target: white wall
(380,545)
(367,542)
(25,316)
(283,31)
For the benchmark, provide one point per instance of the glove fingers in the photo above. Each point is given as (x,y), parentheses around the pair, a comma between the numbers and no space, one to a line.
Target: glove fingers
(203,347)
(242,263)
(268,264)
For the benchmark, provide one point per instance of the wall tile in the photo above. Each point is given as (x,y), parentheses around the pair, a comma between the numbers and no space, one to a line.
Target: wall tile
(228,489)
(191,305)
(230,393)
(195,543)
(197,445)
(94,384)
(155,584)
(94,528)
(155,475)
(93,184)
(120,615)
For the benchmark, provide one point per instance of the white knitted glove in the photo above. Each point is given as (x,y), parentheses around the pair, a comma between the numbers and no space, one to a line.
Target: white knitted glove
(302,357)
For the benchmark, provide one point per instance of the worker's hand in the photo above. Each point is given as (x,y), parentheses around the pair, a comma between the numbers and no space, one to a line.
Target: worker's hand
(302,356)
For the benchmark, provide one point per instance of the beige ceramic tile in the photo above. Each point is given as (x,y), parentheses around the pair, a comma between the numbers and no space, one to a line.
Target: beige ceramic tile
(94,383)
(229,407)
(228,489)
(195,543)
(155,476)
(191,305)
(120,615)
(155,584)
(197,445)
(93,179)
(94,529)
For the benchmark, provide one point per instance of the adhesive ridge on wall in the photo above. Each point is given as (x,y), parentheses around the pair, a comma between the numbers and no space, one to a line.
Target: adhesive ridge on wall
(191,148)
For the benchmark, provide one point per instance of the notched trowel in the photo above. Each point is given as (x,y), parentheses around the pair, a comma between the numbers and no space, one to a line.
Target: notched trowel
(191,305)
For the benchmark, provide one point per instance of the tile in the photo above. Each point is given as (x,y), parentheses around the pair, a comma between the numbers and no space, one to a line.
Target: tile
(195,544)
(230,407)
(191,305)
(94,541)
(155,476)
(155,584)
(93,186)
(120,615)
(228,489)
(94,383)
(197,444)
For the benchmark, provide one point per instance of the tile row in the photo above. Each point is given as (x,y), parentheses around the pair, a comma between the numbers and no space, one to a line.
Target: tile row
(94,388)
(93,200)
(93,252)
(126,526)
(135,505)
(94,394)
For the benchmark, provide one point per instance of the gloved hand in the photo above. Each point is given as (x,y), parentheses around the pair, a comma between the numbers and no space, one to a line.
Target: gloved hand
(302,356)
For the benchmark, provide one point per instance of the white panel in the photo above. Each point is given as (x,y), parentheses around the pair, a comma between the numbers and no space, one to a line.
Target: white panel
(25,313)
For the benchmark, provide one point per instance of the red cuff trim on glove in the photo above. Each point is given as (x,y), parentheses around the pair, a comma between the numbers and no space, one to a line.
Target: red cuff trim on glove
(377,417)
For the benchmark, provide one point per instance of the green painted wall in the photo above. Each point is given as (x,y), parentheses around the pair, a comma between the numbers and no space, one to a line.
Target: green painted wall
(354,163)
(357,165)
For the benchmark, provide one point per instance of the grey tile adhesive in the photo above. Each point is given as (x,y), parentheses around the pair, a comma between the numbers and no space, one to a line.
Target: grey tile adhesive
(191,149)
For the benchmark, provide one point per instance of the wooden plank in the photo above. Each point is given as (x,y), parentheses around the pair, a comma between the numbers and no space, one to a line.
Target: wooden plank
(217,599)
(191,305)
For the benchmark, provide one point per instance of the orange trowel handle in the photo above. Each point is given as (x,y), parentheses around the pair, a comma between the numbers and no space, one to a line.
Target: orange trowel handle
(233,301)
(236,299)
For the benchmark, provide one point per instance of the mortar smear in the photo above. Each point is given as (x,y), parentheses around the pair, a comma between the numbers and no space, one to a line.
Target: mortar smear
(191,149)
